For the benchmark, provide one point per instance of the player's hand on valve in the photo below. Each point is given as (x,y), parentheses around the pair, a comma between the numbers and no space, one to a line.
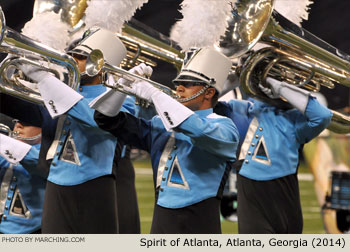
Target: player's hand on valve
(274,89)
(142,89)
(33,72)
(141,69)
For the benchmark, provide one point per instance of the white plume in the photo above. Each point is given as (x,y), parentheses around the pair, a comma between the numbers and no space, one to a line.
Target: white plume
(111,14)
(203,22)
(48,29)
(294,10)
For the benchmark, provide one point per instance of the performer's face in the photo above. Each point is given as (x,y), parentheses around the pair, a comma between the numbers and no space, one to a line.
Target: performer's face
(85,80)
(81,61)
(188,89)
(25,130)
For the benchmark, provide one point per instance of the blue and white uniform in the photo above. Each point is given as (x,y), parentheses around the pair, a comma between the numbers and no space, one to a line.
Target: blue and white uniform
(81,150)
(81,181)
(21,195)
(274,135)
(188,163)
(268,191)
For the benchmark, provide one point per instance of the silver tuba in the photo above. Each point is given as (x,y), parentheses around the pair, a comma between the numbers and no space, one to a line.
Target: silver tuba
(291,54)
(24,50)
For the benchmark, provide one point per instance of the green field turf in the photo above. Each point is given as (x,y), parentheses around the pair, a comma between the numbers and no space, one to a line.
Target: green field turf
(145,193)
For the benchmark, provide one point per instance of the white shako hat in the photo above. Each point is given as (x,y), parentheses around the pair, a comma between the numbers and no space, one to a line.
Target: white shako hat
(205,65)
(112,48)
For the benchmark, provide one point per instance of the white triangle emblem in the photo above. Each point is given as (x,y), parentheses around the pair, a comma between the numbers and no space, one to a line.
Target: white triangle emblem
(260,153)
(176,177)
(69,153)
(18,207)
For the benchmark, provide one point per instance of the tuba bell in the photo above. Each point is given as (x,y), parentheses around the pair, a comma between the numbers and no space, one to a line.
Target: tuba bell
(290,54)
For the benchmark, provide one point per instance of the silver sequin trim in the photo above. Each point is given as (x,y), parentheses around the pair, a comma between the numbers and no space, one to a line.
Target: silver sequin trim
(164,158)
(52,151)
(5,187)
(248,139)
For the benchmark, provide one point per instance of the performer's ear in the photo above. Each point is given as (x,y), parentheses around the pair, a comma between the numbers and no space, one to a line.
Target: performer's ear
(209,93)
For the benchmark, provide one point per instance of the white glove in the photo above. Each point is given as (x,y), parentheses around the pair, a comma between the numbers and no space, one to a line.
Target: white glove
(297,97)
(13,150)
(274,91)
(143,90)
(109,103)
(141,69)
(58,97)
(34,73)
(269,92)
(171,112)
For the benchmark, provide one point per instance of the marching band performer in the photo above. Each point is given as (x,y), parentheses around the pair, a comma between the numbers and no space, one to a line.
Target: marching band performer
(81,192)
(189,144)
(267,183)
(22,189)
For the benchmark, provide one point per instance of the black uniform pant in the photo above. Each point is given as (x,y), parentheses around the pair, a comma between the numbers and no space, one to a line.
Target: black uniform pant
(88,208)
(128,210)
(200,218)
(271,206)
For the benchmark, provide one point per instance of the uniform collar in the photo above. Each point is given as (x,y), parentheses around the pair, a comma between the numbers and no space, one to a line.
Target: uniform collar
(93,90)
(258,102)
(204,112)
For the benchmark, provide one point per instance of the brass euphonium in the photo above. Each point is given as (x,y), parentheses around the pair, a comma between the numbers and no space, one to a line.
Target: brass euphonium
(23,50)
(6,130)
(95,64)
(292,54)
(143,44)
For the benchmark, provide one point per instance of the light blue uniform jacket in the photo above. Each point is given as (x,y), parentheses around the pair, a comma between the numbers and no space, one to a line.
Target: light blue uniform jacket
(189,163)
(84,151)
(274,137)
(21,195)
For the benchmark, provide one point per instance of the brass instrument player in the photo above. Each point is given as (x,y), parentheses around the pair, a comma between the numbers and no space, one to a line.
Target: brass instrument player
(81,191)
(22,189)
(267,183)
(189,144)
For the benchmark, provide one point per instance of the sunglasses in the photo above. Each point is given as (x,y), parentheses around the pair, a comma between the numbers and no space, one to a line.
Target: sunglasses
(77,56)
(189,84)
